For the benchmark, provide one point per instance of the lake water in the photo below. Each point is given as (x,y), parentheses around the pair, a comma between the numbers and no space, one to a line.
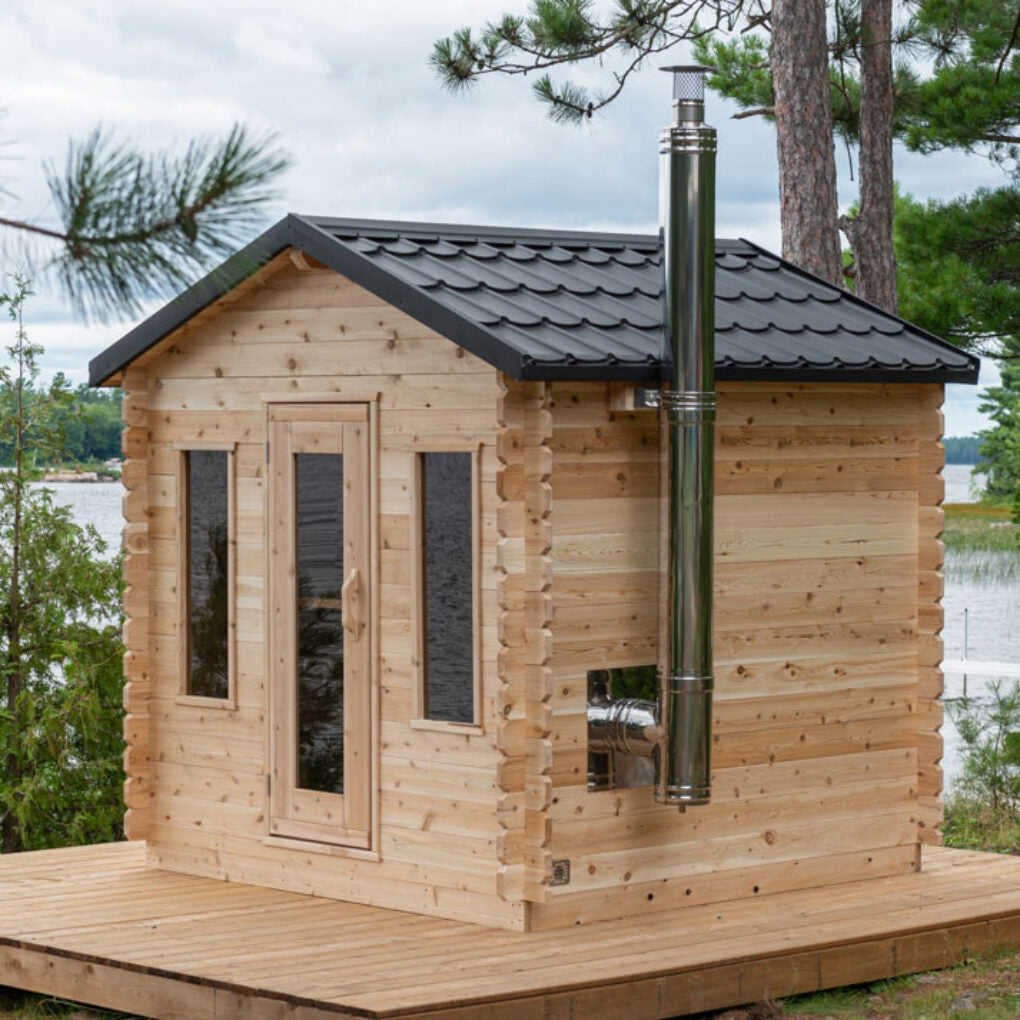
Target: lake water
(95,503)
(990,608)
(993,620)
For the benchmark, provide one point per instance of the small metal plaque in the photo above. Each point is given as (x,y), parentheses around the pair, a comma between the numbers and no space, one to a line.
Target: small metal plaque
(560,873)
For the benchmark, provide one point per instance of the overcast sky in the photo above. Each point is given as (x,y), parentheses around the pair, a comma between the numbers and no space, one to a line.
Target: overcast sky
(348,89)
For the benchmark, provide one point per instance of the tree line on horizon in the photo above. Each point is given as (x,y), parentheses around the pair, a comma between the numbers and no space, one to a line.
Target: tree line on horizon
(962,449)
(90,423)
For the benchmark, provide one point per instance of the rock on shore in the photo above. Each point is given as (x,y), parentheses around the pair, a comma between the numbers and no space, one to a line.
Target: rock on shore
(74,476)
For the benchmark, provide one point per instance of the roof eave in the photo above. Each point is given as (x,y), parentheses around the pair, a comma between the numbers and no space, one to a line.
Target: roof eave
(654,374)
(844,374)
(298,232)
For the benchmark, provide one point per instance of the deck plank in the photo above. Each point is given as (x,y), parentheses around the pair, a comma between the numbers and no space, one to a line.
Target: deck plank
(98,924)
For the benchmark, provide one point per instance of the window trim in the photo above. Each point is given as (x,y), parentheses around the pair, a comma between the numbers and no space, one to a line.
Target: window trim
(182,697)
(419,658)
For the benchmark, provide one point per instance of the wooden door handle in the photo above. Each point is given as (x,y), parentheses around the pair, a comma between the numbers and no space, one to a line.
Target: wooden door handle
(350,599)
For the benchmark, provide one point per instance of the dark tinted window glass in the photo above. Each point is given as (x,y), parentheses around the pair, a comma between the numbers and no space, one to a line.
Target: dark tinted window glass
(449,587)
(208,574)
(319,519)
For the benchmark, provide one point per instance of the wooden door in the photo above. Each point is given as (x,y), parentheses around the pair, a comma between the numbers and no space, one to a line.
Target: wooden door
(319,648)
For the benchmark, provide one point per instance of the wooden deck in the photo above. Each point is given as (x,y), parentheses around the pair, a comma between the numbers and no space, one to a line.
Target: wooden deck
(95,924)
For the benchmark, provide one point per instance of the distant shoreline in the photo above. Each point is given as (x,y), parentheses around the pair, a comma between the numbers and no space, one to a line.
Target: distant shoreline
(77,477)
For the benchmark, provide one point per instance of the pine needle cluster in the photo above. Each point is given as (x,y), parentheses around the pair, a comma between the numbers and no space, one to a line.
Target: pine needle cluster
(559,32)
(135,226)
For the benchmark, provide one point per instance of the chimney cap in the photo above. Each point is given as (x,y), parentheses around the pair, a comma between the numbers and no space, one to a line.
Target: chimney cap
(688,82)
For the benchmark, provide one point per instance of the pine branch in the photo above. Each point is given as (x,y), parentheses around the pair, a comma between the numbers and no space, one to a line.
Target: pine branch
(1009,46)
(136,226)
(32,229)
(763,21)
(993,137)
(561,32)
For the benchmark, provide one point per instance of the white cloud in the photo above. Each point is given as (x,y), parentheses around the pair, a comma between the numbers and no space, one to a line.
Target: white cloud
(274,47)
(960,410)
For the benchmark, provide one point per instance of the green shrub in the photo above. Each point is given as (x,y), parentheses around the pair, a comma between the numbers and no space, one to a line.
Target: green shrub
(990,732)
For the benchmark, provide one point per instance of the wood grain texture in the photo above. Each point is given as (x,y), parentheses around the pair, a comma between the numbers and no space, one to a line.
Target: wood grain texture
(538,610)
(930,552)
(95,924)
(511,697)
(136,566)
(819,522)
(826,642)
(307,336)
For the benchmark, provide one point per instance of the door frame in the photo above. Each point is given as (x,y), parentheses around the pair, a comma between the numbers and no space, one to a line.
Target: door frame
(335,400)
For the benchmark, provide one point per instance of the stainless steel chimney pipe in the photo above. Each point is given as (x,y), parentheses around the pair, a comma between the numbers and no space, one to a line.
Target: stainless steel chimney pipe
(676,731)
(688,406)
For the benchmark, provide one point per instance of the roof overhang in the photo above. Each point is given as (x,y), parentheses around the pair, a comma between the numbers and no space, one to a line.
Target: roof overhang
(318,238)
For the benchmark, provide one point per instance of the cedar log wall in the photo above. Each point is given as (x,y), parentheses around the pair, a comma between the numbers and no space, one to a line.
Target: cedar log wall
(201,798)
(827,569)
(827,555)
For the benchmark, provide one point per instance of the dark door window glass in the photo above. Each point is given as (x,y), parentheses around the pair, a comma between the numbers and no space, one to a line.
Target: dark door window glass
(208,569)
(448,586)
(320,644)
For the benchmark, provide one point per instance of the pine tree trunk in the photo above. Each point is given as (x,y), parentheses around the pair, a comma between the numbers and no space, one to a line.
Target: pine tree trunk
(807,162)
(871,236)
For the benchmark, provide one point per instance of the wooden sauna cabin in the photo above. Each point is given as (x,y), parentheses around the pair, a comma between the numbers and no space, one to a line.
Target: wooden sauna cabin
(392,511)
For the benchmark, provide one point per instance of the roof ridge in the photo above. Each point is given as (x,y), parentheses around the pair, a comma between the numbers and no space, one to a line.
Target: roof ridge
(481,232)
(471,232)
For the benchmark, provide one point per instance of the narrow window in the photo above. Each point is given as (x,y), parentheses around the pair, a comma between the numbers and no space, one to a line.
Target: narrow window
(319,559)
(205,560)
(447,590)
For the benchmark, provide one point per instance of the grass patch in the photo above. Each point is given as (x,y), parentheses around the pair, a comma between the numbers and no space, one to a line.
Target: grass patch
(987,988)
(997,512)
(79,466)
(970,527)
(982,543)
(836,1002)
(18,1005)
(972,825)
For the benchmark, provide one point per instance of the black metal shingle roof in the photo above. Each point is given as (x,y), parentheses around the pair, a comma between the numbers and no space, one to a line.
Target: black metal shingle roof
(576,305)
